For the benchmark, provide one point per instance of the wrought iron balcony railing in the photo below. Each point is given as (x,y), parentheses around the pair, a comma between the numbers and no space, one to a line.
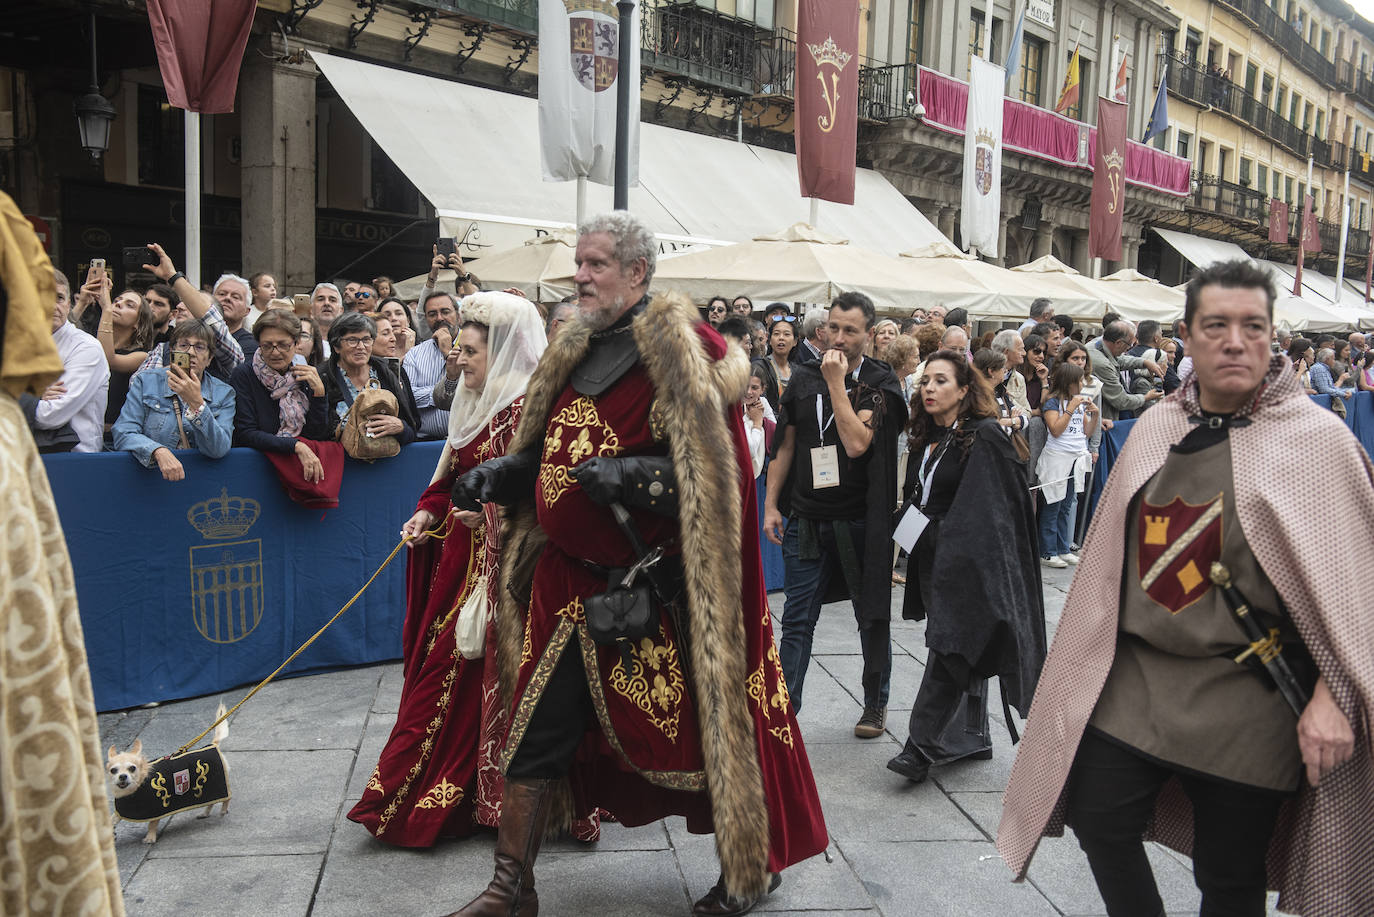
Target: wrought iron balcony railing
(688,41)
(1214,195)
(1193,82)
(775,64)
(516,15)
(1287,37)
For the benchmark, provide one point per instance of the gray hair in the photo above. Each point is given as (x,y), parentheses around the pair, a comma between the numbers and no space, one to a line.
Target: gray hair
(1038,306)
(558,307)
(349,323)
(1324,354)
(326,285)
(633,240)
(815,317)
(1005,340)
(956,330)
(225,278)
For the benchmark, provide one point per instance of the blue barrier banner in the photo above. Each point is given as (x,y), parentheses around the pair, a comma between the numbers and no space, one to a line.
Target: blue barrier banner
(208,583)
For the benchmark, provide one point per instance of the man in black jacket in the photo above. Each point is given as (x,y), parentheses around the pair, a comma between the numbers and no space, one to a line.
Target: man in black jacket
(837,462)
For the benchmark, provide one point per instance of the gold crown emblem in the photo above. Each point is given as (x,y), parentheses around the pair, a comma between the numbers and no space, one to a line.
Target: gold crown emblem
(1114,160)
(828,53)
(590,6)
(984,137)
(224,516)
(1156,530)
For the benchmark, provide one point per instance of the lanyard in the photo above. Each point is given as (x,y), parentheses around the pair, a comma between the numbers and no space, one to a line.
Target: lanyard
(820,400)
(937,452)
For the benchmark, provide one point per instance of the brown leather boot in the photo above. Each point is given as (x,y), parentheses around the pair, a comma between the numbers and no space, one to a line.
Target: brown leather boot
(524,817)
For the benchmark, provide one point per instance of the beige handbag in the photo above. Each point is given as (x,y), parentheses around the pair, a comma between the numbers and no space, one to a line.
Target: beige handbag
(353,433)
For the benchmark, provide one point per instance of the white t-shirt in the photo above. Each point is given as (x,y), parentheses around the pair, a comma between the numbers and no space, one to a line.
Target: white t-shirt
(1073,440)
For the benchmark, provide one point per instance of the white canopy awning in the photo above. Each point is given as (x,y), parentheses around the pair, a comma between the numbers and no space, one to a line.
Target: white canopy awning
(1199,251)
(474,153)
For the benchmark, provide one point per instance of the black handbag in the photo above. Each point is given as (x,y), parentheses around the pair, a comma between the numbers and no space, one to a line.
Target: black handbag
(625,613)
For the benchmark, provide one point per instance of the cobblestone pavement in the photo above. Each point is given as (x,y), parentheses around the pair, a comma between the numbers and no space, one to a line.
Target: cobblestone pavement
(301,751)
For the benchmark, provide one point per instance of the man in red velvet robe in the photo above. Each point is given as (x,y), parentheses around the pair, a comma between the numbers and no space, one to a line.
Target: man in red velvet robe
(637,403)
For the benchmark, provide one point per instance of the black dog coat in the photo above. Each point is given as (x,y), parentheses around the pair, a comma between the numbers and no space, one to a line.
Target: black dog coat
(175,783)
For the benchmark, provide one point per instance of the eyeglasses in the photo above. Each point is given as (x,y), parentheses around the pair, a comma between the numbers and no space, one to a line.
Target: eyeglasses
(783,318)
(195,347)
(276,348)
(362,294)
(1039,350)
(355,342)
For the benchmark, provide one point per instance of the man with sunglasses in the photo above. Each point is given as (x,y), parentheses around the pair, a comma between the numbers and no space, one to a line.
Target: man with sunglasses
(226,352)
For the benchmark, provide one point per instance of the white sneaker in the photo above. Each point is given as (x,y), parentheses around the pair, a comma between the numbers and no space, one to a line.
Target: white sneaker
(1069,558)
(1056,562)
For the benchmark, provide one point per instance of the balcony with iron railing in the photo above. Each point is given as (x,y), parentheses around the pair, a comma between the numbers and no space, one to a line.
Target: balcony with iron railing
(1215,195)
(516,15)
(1329,231)
(1286,37)
(1027,129)
(700,45)
(1191,81)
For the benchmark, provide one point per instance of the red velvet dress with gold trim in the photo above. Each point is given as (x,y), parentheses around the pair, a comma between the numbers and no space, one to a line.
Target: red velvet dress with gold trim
(438,775)
(645,761)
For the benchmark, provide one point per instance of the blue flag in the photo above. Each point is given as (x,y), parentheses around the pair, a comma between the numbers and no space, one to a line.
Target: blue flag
(1014,52)
(1159,118)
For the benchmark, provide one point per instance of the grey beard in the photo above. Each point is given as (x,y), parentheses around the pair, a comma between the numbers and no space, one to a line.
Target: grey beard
(603,318)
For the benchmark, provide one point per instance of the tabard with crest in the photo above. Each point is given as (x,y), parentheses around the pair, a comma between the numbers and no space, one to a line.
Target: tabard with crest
(1174,691)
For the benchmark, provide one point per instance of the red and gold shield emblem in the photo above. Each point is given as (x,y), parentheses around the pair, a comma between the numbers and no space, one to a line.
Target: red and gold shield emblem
(1178,542)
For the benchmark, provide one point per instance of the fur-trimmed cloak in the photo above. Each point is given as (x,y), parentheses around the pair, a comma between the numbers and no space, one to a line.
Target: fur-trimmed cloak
(1320,855)
(762,798)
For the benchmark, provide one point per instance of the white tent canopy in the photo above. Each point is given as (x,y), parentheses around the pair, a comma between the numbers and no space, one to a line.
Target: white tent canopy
(1312,311)
(1012,294)
(474,153)
(802,264)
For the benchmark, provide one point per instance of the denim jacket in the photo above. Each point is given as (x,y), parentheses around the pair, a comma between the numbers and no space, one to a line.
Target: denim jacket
(149,419)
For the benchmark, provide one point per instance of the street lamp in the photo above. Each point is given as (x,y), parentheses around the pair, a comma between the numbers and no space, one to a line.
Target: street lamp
(94,112)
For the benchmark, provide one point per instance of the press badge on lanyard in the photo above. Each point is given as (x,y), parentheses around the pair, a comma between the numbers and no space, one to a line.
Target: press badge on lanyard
(914,521)
(825,460)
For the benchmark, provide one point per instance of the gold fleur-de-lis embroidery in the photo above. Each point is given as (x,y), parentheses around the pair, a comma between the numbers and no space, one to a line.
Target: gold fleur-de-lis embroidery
(580,448)
(662,700)
(159,784)
(202,777)
(375,782)
(554,442)
(442,795)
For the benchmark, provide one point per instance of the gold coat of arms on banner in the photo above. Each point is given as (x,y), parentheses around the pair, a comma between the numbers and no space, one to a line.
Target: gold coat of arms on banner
(226,575)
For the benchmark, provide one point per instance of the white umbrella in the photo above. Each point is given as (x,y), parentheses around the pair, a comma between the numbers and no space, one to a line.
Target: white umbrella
(802,264)
(1137,297)
(1012,294)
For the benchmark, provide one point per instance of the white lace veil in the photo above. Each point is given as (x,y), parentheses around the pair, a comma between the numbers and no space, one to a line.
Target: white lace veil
(515,342)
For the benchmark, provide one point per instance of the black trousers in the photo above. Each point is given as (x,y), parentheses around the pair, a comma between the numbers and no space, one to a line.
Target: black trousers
(560,720)
(1111,795)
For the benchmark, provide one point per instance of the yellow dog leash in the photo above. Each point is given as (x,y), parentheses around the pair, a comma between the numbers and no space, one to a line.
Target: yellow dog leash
(439,533)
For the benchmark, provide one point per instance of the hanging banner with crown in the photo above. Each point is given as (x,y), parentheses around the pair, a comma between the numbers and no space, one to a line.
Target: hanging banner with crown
(981,210)
(827,88)
(1178,544)
(577,91)
(1109,182)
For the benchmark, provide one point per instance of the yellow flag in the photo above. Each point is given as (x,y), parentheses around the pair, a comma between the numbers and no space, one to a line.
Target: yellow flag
(1068,96)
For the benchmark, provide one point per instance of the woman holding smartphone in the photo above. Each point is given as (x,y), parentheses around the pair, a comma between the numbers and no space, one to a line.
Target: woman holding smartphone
(280,397)
(179,406)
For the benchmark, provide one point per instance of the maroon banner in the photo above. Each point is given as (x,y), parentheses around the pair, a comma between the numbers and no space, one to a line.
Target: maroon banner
(1109,181)
(827,91)
(1311,232)
(1278,221)
(200,49)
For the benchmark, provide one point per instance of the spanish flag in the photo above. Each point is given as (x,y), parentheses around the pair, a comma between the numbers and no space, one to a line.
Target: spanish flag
(1068,96)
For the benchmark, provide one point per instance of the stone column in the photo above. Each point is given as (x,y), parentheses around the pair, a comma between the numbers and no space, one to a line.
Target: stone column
(1078,258)
(1001,259)
(946,224)
(1044,240)
(277,100)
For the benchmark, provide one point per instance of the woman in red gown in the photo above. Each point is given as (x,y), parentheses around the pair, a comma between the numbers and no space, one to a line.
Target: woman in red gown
(439,774)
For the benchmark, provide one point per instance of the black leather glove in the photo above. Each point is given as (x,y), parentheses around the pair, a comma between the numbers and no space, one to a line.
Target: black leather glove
(501,480)
(646,482)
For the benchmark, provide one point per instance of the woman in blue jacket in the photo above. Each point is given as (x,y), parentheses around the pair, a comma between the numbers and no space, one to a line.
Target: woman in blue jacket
(170,407)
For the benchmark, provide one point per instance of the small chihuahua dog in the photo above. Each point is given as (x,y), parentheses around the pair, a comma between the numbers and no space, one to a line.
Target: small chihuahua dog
(128,771)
